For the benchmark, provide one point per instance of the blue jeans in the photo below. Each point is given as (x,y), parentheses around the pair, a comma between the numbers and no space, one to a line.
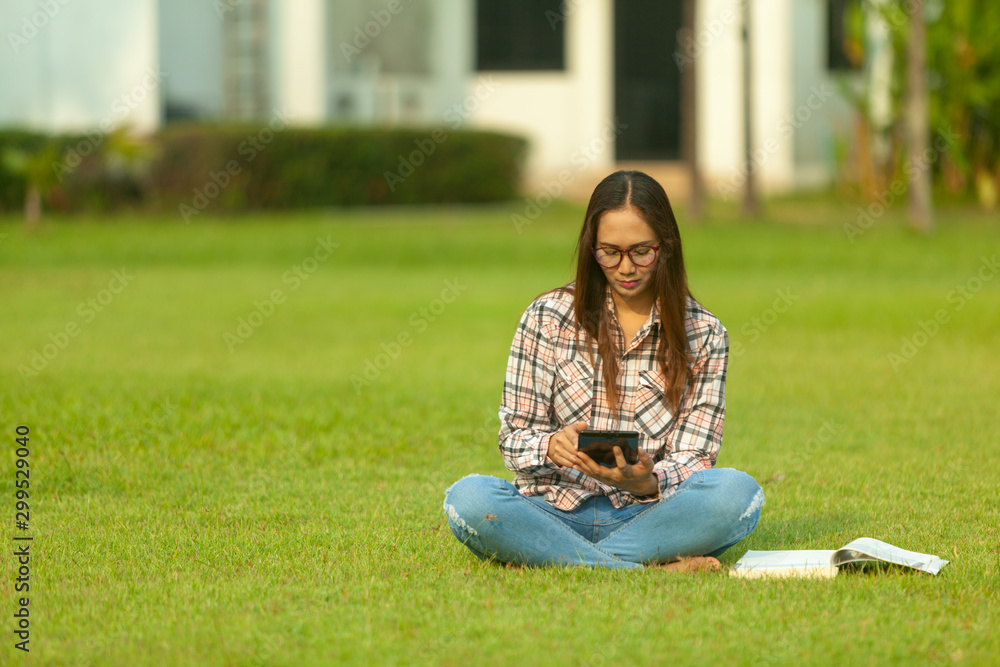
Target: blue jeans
(709,512)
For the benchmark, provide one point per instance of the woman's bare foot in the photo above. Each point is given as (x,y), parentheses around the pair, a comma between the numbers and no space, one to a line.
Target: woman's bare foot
(692,564)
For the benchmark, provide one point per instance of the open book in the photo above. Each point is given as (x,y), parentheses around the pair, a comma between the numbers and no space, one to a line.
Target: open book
(825,563)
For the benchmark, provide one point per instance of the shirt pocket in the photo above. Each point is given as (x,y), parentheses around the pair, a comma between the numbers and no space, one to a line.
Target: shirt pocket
(573,391)
(652,416)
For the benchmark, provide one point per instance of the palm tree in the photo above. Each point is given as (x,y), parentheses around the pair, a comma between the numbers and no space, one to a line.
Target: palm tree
(39,175)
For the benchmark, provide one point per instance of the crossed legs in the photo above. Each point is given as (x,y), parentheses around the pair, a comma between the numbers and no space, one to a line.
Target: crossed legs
(711,511)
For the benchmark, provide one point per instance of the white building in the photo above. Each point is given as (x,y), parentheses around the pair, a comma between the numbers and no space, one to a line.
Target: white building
(593,84)
(72,66)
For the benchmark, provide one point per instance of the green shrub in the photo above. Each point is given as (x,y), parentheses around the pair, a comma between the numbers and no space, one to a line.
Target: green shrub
(195,168)
(236,168)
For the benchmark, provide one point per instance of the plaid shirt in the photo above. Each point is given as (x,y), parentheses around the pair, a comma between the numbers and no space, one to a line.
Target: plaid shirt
(550,383)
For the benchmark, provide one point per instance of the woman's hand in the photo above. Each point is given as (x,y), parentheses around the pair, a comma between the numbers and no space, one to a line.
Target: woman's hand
(638,478)
(562,446)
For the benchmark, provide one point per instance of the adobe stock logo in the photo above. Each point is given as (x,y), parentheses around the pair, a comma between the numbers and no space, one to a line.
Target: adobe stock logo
(956,298)
(88,310)
(913,166)
(759,325)
(419,321)
(363,35)
(455,116)
(217,181)
(123,105)
(691,45)
(30,25)
(294,277)
(582,158)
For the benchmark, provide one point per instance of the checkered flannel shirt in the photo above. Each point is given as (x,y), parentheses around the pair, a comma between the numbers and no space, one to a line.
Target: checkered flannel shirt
(550,383)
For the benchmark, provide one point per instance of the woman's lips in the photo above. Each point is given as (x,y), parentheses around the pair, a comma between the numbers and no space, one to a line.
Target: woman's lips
(628,284)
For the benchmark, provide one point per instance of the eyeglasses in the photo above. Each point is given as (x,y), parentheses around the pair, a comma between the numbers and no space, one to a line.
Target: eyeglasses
(642,255)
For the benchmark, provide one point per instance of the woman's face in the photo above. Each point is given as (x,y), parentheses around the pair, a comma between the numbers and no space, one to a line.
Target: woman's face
(624,230)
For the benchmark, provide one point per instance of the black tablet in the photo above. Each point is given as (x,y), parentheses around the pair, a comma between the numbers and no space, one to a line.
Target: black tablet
(599,445)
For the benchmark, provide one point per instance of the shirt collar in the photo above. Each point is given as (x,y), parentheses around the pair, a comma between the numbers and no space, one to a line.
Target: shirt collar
(654,313)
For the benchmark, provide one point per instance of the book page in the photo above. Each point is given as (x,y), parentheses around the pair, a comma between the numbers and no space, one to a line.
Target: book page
(867,548)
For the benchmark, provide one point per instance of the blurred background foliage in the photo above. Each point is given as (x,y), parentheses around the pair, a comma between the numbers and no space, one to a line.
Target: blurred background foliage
(963,78)
(338,166)
(191,168)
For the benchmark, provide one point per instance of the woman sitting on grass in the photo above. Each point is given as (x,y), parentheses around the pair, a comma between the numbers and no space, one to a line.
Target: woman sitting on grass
(623,347)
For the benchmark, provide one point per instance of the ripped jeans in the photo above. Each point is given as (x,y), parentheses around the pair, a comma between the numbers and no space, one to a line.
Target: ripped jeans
(709,512)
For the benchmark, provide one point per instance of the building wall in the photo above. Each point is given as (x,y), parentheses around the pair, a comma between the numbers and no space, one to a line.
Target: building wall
(102,61)
(298,60)
(720,94)
(72,66)
(773,60)
(567,116)
(820,117)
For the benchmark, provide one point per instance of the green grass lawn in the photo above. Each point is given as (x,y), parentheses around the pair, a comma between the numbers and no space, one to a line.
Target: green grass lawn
(200,496)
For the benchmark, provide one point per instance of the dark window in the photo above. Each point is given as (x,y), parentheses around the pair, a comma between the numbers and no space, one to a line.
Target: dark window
(843,34)
(647,79)
(520,35)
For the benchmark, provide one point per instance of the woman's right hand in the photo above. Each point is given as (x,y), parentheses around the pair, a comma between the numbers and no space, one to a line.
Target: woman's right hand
(562,446)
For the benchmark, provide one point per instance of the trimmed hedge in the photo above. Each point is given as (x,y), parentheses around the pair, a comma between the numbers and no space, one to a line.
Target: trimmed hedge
(196,168)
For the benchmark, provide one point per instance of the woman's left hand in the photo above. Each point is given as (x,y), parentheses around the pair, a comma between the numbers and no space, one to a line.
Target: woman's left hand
(638,478)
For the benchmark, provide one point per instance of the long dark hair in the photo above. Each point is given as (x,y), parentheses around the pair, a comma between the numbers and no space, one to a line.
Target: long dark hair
(624,189)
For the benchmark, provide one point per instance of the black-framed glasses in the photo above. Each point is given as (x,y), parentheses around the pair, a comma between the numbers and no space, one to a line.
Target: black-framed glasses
(642,255)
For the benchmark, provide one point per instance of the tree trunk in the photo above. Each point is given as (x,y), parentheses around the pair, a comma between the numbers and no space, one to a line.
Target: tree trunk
(879,70)
(696,195)
(32,206)
(751,206)
(917,130)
